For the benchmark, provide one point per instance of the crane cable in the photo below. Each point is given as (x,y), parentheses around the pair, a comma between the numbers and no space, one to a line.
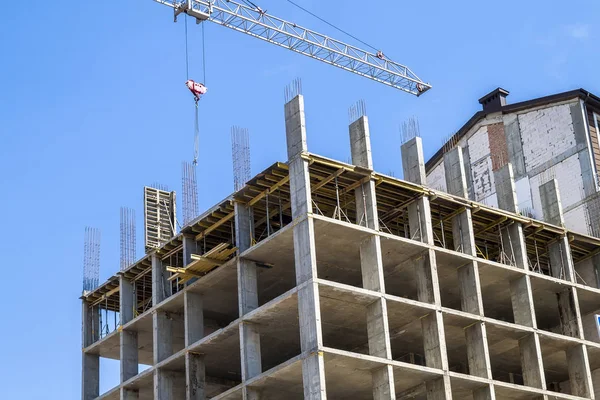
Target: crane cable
(187,72)
(333,26)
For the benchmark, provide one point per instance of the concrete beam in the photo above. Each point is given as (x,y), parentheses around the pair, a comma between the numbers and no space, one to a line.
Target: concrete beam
(90,363)
(162,328)
(305,258)
(195,377)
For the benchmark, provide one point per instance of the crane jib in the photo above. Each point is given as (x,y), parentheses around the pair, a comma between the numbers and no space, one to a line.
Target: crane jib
(255,22)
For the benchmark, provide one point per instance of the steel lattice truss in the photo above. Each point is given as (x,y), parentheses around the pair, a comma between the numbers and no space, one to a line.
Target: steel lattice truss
(259,24)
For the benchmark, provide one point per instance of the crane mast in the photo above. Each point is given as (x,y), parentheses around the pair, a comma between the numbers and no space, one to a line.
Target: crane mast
(256,22)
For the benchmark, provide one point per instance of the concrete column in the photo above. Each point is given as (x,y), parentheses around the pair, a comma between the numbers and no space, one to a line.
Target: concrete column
(521,295)
(478,354)
(160,283)
(580,376)
(360,147)
(190,246)
(247,297)
(162,328)
(193,317)
(194,331)
(164,385)
(371,262)
(129,354)
(128,338)
(129,394)
(561,266)
(309,310)
(195,377)
(428,287)
(90,363)
(250,350)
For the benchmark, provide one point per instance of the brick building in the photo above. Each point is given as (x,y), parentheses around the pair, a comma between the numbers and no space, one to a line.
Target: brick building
(545,138)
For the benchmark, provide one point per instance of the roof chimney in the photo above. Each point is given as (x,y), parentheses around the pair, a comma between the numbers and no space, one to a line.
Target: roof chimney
(494,100)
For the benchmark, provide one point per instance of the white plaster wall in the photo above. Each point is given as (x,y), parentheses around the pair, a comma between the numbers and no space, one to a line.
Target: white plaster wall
(568,175)
(479,144)
(437,177)
(524,195)
(575,219)
(482,176)
(546,133)
(491,200)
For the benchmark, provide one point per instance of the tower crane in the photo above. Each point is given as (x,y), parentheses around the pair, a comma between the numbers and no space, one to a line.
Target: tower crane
(256,22)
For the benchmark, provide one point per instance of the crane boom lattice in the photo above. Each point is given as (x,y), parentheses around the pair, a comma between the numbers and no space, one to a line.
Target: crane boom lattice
(255,22)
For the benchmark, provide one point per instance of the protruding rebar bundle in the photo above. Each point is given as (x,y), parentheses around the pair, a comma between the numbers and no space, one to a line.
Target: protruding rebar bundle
(159,186)
(127,226)
(293,89)
(190,192)
(449,142)
(357,110)
(410,129)
(91,259)
(240,153)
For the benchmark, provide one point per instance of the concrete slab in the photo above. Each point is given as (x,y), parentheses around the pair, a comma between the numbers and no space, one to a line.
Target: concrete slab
(279,329)
(464,385)
(144,383)
(112,394)
(544,290)
(107,347)
(281,381)
(234,393)
(589,299)
(221,351)
(277,252)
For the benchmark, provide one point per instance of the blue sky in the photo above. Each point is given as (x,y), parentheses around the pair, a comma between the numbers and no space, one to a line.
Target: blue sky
(93,106)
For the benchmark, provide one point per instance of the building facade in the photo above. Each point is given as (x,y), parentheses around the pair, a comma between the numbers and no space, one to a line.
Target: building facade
(322,279)
(553,137)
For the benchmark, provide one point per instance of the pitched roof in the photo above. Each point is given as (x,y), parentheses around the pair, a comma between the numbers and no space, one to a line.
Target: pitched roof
(510,108)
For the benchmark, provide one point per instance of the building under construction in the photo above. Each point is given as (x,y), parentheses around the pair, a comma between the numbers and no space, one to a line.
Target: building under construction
(321,279)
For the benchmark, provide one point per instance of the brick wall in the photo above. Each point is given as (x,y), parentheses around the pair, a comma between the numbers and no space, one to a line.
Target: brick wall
(498,147)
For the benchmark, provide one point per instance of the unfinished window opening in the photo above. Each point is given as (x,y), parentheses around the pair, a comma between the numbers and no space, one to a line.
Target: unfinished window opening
(537,256)
(547,295)
(406,332)
(344,316)
(279,332)
(338,248)
(505,352)
(556,369)
(455,330)
(498,286)
(142,290)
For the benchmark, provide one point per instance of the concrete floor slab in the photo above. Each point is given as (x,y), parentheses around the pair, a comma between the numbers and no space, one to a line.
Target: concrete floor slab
(107,347)
(279,329)
(281,381)
(221,352)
